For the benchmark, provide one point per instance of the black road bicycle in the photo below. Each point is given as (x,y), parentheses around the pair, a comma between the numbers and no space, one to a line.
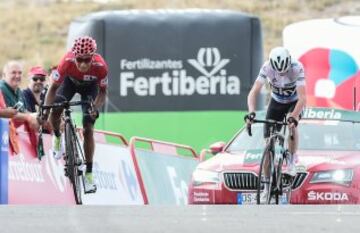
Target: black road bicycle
(270,171)
(74,156)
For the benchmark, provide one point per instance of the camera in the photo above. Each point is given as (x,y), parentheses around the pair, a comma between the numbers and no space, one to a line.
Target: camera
(19,106)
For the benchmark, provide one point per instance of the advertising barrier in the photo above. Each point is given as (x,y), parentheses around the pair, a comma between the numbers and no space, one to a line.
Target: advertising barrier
(165,173)
(124,175)
(43,182)
(37,182)
(115,177)
(4,157)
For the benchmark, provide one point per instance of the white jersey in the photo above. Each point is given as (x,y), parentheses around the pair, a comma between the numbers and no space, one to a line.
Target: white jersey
(283,86)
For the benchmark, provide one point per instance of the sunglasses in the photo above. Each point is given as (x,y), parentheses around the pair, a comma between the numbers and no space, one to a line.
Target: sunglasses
(41,79)
(83,59)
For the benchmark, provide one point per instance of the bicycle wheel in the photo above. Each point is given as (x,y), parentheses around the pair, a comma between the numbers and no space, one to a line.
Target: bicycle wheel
(264,196)
(278,178)
(287,181)
(71,162)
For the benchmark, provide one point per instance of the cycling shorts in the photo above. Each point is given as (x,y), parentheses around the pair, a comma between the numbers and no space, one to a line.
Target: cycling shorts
(277,111)
(69,87)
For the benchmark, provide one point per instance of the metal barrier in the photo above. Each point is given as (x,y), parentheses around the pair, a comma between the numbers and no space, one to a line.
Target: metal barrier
(101,134)
(203,153)
(162,146)
(157,146)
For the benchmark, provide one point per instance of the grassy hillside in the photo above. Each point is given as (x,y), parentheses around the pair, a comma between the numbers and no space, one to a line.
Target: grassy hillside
(35,30)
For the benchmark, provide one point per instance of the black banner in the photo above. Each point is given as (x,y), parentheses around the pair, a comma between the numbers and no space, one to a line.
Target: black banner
(176,60)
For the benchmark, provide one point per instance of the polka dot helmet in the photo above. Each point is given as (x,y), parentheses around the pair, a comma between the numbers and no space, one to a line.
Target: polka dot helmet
(84,46)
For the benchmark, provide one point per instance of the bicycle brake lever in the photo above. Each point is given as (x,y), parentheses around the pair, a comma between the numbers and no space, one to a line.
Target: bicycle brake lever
(248,128)
(292,134)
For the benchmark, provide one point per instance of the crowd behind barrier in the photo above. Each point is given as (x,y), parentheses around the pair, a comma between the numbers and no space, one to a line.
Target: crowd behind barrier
(125,174)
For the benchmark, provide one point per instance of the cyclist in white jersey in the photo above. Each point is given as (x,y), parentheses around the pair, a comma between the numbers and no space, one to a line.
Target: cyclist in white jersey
(287,81)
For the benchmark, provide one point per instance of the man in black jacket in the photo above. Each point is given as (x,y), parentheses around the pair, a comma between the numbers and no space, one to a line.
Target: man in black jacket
(37,81)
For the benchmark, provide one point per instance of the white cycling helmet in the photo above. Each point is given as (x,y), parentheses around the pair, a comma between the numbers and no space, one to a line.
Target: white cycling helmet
(280,59)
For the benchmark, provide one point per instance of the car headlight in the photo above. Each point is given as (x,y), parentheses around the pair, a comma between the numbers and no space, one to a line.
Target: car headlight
(204,176)
(343,176)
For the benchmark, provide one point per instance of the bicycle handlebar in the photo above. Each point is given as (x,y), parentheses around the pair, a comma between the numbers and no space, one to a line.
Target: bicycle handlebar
(66,104)
(271,122)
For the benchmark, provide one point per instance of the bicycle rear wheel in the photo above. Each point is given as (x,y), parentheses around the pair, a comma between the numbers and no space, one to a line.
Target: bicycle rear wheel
(263,196)
(71,162)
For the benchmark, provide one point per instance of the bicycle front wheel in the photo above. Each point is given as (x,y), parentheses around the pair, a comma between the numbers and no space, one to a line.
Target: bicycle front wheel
(71,162)
(265,178)
(278,178)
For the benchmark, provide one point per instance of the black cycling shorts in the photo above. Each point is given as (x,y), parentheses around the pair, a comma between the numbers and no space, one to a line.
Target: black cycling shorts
(69,88)
(277,111)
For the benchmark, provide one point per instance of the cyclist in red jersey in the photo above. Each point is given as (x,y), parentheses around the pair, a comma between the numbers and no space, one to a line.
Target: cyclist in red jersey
(81,71)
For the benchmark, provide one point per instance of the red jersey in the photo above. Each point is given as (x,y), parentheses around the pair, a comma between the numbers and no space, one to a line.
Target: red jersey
(67,68)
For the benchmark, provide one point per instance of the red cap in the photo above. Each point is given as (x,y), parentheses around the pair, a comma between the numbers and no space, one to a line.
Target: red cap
(37,71)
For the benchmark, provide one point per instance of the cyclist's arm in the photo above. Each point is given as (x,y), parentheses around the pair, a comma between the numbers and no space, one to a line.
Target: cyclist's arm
(57,77)
(100,98)
(255,90)
(103,84)
(50,95)
(300,103)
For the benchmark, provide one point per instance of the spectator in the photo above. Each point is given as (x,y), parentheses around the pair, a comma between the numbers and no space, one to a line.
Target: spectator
(37,76)
(6,112)
(13,96)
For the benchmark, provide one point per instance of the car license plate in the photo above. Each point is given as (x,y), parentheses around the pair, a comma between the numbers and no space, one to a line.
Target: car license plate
(246,198)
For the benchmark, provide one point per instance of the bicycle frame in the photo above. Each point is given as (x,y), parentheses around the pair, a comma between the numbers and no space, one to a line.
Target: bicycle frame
(74,156)
(68,120)
(271,161)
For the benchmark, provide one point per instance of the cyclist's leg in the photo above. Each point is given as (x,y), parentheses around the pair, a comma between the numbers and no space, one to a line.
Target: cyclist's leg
(65,93)
(90,90)
(88,133)
(292,145)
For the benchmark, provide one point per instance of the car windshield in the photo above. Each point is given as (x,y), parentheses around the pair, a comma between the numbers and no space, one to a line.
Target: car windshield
(319,135)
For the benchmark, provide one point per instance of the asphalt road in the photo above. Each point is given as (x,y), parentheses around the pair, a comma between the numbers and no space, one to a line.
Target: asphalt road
(184,219)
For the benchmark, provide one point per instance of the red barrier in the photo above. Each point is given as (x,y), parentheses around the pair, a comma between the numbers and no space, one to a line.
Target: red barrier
(203,154)
(32,181)
(163,147)
(37,182)
(100,136)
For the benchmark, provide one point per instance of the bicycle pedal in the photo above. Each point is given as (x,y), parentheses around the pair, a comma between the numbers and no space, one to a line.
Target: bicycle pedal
(66,172)
(80,172)
(78,162)
(91,191)
(288,177)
